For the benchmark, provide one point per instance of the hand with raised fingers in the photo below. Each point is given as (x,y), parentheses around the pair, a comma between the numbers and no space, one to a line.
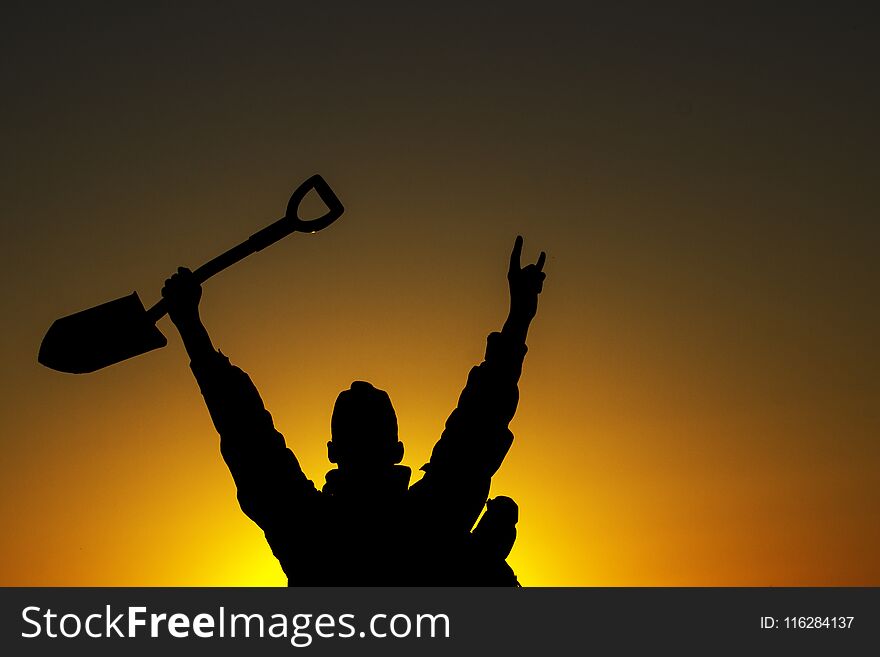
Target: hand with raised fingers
(525,283)
(182,294)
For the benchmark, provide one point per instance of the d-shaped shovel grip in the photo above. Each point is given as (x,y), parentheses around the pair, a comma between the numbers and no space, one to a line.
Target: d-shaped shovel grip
(291,222)
(334,206)
(288,224)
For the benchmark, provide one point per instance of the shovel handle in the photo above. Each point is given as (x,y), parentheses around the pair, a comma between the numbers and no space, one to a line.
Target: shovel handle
(289,223)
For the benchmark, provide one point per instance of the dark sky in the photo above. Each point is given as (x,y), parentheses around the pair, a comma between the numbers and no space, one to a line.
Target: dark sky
(701,392)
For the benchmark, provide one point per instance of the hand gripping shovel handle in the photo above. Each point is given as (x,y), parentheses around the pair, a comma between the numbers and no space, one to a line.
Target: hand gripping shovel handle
(288,224)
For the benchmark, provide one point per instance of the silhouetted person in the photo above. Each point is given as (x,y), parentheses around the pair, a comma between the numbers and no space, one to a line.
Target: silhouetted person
(368,526)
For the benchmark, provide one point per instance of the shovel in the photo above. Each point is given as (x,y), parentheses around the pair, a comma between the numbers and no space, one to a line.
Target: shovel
(114,331)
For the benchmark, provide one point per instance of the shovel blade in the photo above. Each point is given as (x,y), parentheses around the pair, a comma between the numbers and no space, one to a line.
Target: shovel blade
(91,339)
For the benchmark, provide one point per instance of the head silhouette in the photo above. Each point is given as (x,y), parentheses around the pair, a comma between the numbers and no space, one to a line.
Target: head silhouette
(363,430)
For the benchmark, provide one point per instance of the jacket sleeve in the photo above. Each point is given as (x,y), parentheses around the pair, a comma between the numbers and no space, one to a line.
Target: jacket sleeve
(271,485)
(476,438)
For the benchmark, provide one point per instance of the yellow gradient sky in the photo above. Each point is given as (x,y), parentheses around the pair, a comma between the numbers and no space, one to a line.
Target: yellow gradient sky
(701,399)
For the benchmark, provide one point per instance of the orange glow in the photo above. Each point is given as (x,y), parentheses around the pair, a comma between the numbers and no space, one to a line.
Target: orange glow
(699,404)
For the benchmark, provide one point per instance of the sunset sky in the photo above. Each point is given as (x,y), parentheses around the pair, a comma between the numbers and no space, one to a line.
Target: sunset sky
(700,403)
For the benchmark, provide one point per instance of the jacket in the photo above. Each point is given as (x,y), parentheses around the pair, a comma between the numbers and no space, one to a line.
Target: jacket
(377,530)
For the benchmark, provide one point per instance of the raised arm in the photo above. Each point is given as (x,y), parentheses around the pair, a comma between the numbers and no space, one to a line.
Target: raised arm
(182,295)
(476,438)
(525,285)
(267,475)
